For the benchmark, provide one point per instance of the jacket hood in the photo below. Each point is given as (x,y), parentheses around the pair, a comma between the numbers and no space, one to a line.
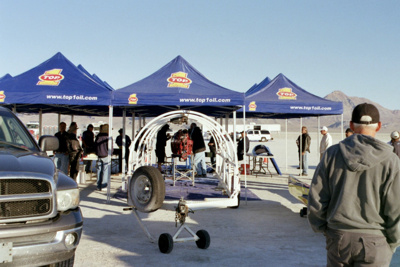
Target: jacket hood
(362,152)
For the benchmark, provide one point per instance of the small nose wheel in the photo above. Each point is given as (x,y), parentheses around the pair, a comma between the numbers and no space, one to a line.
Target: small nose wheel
(303,212)
(165,243)
(204,239)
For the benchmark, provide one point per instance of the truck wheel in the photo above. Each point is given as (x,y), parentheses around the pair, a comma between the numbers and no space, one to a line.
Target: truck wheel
(165,243)
(66,263)
(204,241)
(147,189)
(263,139)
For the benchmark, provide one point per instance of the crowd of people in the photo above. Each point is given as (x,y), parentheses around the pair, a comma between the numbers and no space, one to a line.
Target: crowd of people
(70,152)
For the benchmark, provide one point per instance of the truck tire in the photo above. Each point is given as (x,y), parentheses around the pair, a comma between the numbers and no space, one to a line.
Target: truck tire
(147,189)
(263,139)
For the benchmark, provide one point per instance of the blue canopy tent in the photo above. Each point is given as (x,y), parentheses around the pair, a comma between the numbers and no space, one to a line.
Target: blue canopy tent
(56,86)
(94,77)
(282,99)
(258,86)
(177,85)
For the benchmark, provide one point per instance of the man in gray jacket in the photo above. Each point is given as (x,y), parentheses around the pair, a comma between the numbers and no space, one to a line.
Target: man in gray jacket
(355,194)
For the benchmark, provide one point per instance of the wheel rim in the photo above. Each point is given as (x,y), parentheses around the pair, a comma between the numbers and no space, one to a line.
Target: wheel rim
(143,189)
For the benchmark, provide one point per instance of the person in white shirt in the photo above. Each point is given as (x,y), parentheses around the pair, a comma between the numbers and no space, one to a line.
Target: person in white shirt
(326,141)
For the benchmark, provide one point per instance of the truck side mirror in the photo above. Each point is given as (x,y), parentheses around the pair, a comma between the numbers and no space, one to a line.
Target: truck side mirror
(48,143)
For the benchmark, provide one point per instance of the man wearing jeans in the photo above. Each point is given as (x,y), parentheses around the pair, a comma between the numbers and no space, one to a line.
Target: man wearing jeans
(61,156)
(103,161)
(354,196)
(303,145)
(199,148)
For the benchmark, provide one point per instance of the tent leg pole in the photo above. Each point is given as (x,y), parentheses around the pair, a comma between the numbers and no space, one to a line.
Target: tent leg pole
(40,122)
(286,130)
(110,123)
(123,148)
(133,125)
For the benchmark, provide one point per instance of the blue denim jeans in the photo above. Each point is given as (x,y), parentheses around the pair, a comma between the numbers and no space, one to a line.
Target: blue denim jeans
(103,174)
(304,159)
(61,161)
(200,163)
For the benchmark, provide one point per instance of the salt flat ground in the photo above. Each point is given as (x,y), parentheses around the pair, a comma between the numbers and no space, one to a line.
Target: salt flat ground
(269,232)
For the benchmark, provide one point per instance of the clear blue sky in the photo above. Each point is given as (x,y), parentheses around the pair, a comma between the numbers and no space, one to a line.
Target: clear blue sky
(323,46)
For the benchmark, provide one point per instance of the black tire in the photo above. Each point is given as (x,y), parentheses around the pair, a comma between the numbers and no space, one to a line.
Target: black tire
(147,189)
(165,243)
(303,212)
(66,263)
(263,139)
(204,241)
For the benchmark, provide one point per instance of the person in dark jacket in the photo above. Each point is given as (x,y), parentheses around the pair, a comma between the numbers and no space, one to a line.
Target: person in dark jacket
(162,138)
(128,142)
(199,148)
(240,148)
(74,149)
(304,143)
(88,145)
(354,196)
(61,155)
(213,152)
(103,161)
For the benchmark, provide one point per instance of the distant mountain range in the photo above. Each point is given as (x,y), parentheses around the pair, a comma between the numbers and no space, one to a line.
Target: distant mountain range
(390,118)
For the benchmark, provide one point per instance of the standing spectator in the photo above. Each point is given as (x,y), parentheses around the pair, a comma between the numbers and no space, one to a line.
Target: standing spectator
(395,142)
(162,138)
(303,146)
(213,152)
(128,142)
(88,145)
(394,137)
(103,161)
(349,132)
(199,148)
(244,140)
(396,148)
(74,150)
(354,196)
(326,141)
(61,158)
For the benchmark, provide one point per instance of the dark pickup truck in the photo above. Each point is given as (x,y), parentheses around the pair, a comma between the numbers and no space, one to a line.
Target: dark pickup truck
(40,219)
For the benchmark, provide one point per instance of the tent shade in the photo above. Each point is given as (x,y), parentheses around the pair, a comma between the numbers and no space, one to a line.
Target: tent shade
(54,82)
(177,85)
(257,87)
(281,98)
(5,77)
